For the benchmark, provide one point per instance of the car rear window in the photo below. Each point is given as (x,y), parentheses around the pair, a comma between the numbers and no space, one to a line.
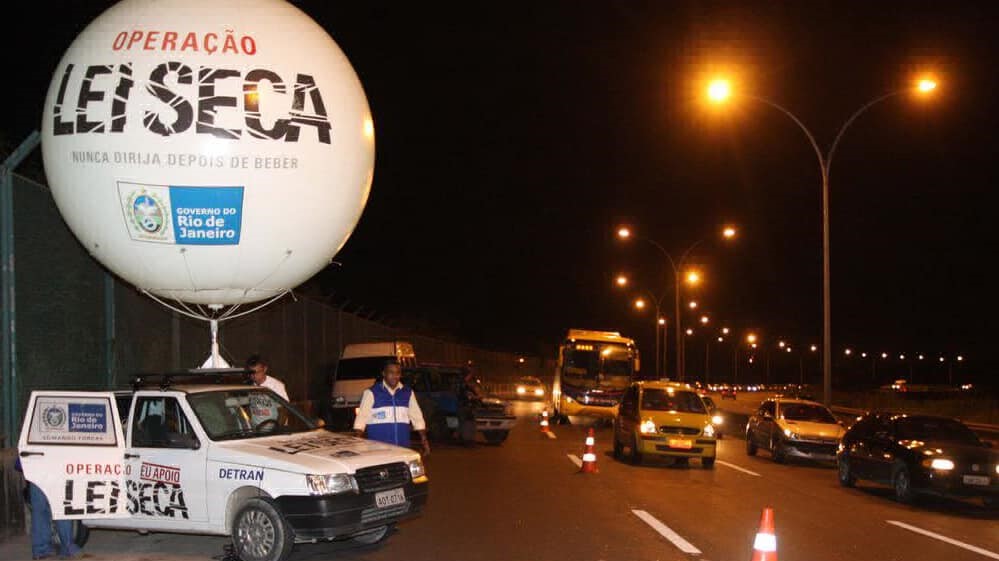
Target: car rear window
(806,412)
(924,428)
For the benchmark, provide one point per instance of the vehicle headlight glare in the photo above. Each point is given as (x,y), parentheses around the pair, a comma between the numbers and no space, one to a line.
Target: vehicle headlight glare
(416,469)
(648,427)
(790,434)
(331,484)
(709,430)
(717,420)
(521,390)
(942,464)
(539,392)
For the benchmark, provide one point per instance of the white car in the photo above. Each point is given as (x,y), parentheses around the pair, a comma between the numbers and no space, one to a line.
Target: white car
(214,459)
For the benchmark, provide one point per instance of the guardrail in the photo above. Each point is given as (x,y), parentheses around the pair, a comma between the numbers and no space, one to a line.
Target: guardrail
(978,427)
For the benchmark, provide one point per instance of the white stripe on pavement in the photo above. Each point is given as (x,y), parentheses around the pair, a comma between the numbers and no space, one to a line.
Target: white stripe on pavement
(551,435)
(575,459)
(737,468)
(969,547)
(664,530)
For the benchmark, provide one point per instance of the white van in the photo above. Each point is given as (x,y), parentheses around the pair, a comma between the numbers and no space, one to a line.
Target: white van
(359,368)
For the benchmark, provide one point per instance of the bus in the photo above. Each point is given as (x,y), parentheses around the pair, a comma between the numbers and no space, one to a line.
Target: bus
(594,368)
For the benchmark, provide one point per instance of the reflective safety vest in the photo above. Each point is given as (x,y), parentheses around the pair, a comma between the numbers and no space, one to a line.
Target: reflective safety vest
(389,420)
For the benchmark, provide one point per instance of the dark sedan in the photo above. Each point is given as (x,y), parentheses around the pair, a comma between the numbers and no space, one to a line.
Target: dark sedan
(919,454)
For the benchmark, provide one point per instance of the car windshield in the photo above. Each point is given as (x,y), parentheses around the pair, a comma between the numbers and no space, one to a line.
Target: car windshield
(654,399)
(530,381)
(806,412)
(249,413)
(926,428)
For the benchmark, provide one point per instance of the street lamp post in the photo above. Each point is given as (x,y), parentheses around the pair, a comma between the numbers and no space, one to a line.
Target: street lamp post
(676,267)
(660,323)
(719,91)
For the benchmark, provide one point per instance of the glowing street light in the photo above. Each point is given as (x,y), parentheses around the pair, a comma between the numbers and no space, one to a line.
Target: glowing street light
(623,233)
(719,91)
(729,232)
(725,331)
(751,338)
(640,304)
(693,277)
(884,355)
(705,320)
(848,352)
(662,321)
(690,331)
(693,305)
(622,280)
(781,344)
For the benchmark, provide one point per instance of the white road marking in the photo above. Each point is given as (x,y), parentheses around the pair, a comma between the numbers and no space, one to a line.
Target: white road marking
(969,547)
(665,531)
(551,435)
(737,468)
(575,459)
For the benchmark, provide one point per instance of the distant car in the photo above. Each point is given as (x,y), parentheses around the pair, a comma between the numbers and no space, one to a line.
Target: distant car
(727,393)
(794,428)
(716,415)
(664,419)
(529,387)
(917,454)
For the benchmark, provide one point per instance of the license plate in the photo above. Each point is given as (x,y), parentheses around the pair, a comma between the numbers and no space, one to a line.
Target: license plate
(681,443)
(391,497)
(976,480)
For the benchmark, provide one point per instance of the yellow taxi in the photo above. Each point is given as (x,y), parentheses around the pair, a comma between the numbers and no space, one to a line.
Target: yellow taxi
(664,419)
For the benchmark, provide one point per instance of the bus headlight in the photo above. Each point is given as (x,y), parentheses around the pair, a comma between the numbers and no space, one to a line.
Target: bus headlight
(521,390)
(709,430)
(647,427)
(417,471)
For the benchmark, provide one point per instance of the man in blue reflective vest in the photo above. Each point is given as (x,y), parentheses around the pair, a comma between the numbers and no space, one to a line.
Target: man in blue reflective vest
(388,409)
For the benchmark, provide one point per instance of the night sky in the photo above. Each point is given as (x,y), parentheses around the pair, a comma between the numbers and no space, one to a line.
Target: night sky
(512,139)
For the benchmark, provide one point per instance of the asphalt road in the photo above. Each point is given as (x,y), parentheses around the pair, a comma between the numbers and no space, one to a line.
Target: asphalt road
(524,500)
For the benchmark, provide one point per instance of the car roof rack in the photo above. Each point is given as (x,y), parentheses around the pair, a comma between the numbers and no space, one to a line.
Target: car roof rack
(193,376)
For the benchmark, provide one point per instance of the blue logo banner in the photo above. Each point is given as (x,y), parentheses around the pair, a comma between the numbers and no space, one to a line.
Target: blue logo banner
(206,215)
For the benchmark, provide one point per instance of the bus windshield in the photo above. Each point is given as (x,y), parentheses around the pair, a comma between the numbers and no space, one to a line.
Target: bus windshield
(599,365)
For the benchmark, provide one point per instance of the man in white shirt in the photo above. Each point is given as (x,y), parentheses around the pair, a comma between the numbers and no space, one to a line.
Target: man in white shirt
(389,410)
(261,376)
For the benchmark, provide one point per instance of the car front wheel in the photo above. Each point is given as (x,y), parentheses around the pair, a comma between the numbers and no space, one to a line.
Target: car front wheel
(750,445)
(846,477)
(260,533)
(708,463)
(902,485)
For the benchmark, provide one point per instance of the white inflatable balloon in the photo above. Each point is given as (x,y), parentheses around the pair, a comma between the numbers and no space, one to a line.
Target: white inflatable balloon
(212,152)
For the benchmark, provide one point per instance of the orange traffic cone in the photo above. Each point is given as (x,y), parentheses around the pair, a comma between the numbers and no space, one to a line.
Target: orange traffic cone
(544,421)
(765,544)
(589,464)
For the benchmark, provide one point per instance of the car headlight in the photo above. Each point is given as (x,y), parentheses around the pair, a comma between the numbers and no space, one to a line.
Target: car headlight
(416,469)
(997,468)
(941,464)
(647,427)
(339,400)
(790,434)
(709,430)
(539,392)
(331,484)
(521,390)
(568,399)
(717,420)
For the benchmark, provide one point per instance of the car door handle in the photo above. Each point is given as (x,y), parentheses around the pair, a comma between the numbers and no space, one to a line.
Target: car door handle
(26,454)
(131,456)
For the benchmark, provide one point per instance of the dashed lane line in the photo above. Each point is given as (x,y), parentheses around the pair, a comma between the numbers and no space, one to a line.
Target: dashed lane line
(551,435)
(945,539)
(665,531)
(737,468)
(576,460)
